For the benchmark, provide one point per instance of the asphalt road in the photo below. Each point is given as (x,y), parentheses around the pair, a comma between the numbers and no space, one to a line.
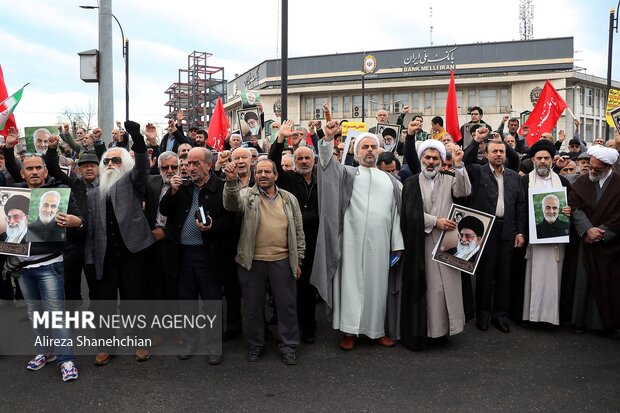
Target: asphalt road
(526,370)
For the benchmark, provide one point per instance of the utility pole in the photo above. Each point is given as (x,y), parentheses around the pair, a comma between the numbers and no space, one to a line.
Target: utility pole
(105,107)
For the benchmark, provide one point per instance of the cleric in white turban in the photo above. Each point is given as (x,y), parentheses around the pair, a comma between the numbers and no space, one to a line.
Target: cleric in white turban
(608,156)
(361,137)
(432,144)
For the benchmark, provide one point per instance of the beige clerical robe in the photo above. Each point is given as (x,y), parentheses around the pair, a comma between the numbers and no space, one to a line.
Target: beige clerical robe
(444,296)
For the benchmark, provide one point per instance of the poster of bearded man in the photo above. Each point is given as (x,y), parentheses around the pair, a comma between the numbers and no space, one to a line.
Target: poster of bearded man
(249,123)
(462,248)
(548,225)
(14,221)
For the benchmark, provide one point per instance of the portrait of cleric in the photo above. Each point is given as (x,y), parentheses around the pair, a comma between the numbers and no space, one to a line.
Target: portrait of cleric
(16,217)
(249,123)
(548,221)
(390,135)
(45,205)
(462,248)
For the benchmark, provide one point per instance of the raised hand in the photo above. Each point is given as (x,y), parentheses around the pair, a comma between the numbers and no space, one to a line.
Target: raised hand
(11,138)
(331,128)
(413,127)
(151,134)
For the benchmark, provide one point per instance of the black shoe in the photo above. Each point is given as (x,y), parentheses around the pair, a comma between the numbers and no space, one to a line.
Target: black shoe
(214,360)
(482,325)
(579,330)
(501,325)
(186,353)
(308,338)
(444,342)
(290,358)
(231,334)
(255,354)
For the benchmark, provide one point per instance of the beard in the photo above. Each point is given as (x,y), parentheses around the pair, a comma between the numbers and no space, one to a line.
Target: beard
(594,178)
(16,234)
(45,219)
(542,171)
(551,218)
(432,173)
(463,251)
(108,178)
(254,131)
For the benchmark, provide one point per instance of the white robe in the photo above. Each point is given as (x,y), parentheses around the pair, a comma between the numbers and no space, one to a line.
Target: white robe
(444,296)
(371,230)
(543,272)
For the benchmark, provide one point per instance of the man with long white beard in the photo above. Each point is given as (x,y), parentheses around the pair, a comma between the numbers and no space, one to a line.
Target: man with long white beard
(431,295)
(596,215)
(119,232)
(16,210)
(543,270)
(358,232)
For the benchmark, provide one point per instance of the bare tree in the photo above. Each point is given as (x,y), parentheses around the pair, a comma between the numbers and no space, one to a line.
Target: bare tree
(79,117)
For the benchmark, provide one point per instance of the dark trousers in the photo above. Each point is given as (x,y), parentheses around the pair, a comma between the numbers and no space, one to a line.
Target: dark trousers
(306,299)
(284,288)
(197,279)
(73,257)
(232,291)
(126,278)
(493,276)
(162,271)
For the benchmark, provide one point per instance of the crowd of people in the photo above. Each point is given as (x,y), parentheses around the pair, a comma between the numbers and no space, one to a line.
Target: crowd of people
(299,218)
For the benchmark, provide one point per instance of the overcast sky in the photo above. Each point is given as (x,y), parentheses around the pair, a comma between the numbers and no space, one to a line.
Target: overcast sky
(40,40)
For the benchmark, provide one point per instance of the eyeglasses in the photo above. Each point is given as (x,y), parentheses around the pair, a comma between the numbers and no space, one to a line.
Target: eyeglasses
(29,154)
(173,167)
(116,160)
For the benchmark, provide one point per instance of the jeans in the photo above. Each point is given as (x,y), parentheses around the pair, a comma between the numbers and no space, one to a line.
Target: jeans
(44,290)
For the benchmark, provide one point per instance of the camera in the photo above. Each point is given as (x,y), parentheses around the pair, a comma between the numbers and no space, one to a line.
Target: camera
(203,217)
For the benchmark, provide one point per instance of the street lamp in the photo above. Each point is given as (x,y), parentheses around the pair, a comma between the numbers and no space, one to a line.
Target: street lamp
(613,25)
(125,56)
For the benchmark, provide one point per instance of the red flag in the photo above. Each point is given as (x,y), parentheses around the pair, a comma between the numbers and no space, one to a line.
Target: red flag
(218,127)
(545,115)
(452,111)
(3,95)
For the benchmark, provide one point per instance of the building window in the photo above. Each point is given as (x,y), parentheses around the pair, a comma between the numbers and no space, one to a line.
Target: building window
(589,98)
(503,97)
(428,100)
(308,108)
(440,101)
(317,110)
(415,102)
(335,105)
(488,98)
(346,106)
(400,100)
(471,98)
(387,103)
(374,104)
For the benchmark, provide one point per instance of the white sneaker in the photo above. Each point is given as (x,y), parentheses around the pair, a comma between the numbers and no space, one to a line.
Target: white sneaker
(68,371)
(40,361)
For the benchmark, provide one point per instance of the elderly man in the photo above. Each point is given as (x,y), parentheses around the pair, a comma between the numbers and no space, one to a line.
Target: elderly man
(44,228)
(270,250)
(41,138)
(199,246)
(471,230)
(119,233)
(431,296)
(543,270)
(381,117)
(359,229)
(302,183)
(288,162)
(174,136)
(595,200)
(583,163)
(519,143)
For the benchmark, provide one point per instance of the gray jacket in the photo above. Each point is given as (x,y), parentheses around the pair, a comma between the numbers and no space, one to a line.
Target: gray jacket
(247,201)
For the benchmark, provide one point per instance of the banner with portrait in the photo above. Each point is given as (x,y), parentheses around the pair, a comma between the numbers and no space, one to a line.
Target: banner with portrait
(37,138)
(249,99)
(390,134)
(547,223)
(249,124)
(462,249)
(14,209)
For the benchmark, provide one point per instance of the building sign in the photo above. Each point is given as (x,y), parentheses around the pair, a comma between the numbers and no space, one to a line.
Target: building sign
(422,61)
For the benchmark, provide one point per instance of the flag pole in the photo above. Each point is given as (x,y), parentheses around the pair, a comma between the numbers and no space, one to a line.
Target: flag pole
(571,112)
(8,97)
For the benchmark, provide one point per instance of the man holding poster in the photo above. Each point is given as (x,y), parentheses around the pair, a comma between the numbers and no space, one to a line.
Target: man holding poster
(543,270)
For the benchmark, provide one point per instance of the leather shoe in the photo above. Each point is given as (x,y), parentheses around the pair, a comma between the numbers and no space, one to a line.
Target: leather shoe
(385,341)
(347,343)
(501,325)
(255,354)
(290,358)
(214,359)
(482,325)
(142,354)
(102,359)
(308,338)
(186,353)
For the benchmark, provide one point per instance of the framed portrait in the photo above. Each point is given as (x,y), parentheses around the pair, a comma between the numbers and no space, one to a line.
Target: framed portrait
(45,204)
(351,135)
(547,224)
(615,115)
(390,134)
(462,249)
(14,221)
(249,124)
(37,137)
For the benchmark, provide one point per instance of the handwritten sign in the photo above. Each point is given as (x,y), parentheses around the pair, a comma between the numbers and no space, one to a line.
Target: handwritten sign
(613,101)
(360,126)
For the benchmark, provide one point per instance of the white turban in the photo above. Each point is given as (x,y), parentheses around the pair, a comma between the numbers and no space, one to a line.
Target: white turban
(362,136)
(432,144)
(608,156)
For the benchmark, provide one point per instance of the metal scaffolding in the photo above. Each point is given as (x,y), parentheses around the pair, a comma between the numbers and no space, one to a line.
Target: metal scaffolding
(196,91)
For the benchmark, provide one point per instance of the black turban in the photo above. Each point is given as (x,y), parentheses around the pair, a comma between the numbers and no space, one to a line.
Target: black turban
(17,202)
(472,223)
(542,145)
